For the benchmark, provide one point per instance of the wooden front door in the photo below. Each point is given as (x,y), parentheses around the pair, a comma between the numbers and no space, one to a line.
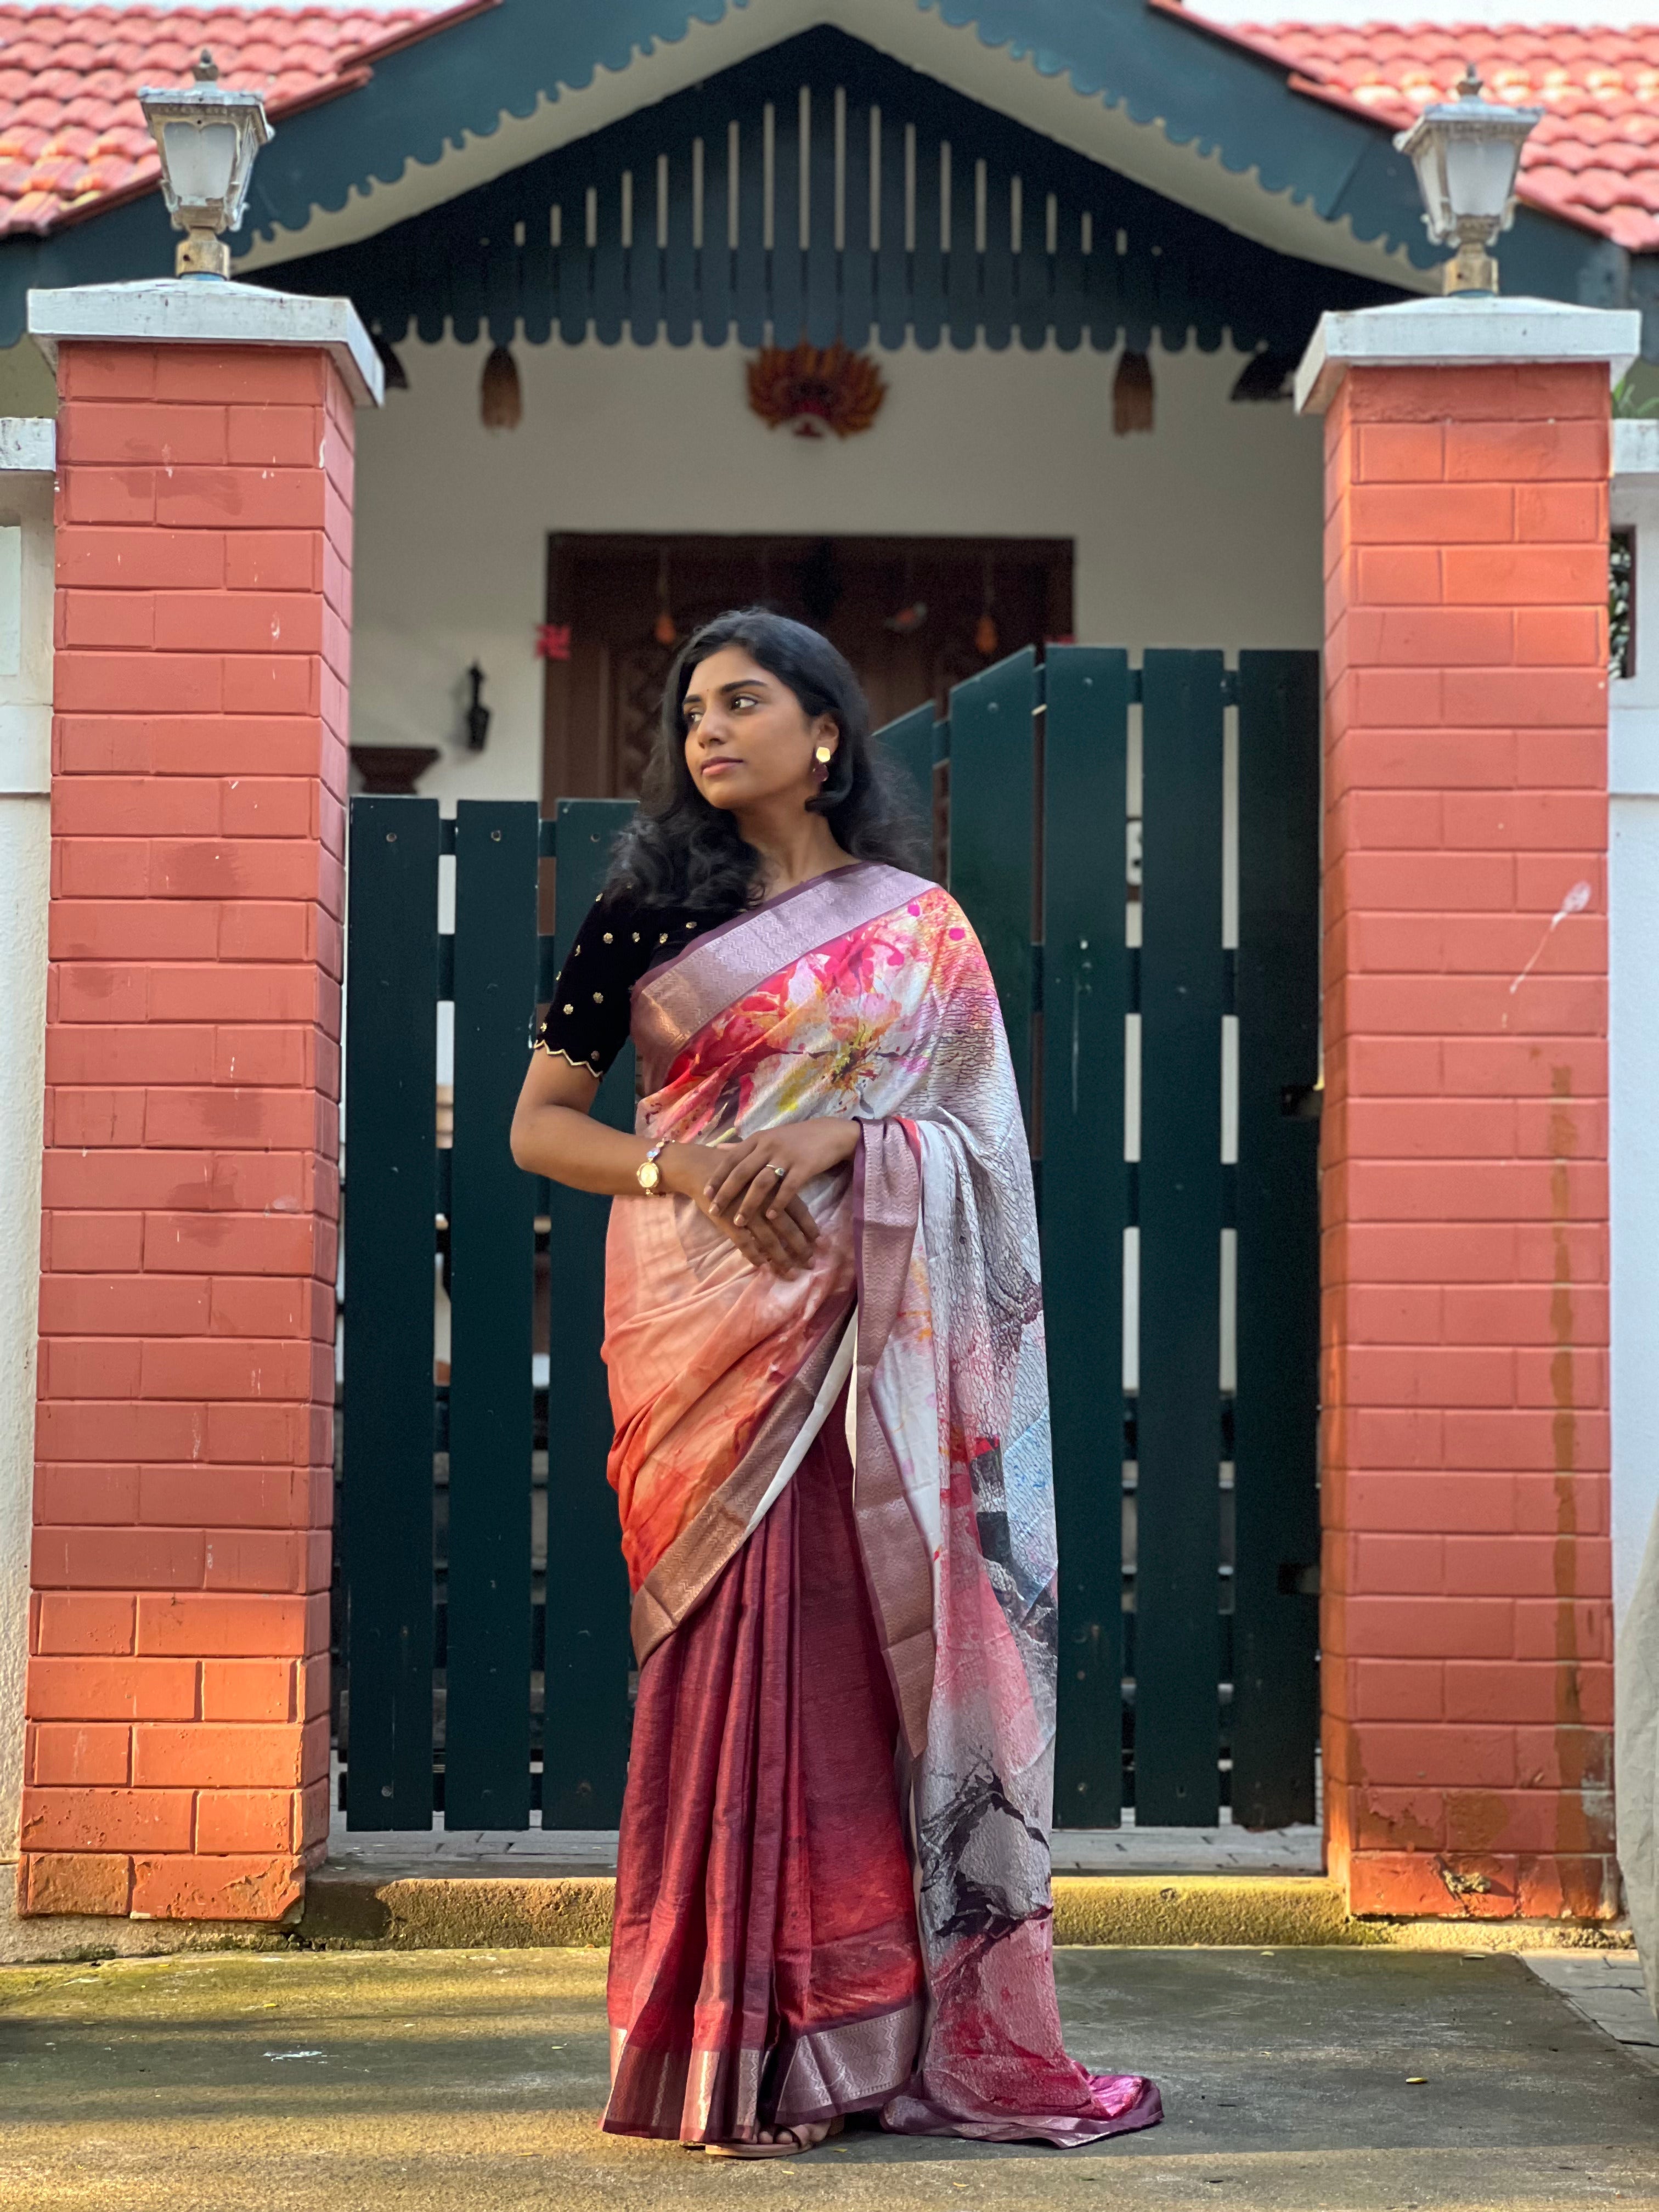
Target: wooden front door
(913,615)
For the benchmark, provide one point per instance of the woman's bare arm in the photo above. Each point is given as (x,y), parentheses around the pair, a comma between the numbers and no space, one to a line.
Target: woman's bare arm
(554,1132)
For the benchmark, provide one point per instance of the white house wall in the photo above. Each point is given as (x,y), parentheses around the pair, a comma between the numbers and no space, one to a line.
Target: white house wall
(25,589)
(1633,1022)
(1205,532)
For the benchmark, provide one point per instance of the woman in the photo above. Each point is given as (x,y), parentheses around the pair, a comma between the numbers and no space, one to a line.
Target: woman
(824,1338)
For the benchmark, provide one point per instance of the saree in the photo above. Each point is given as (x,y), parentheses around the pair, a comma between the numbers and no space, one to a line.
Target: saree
(833,1880)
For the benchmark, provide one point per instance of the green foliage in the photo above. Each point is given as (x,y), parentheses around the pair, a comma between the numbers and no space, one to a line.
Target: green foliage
(1636,395)
(1621,603)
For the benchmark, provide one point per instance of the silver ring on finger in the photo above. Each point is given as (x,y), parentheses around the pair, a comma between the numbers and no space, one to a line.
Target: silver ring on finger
(778,1172)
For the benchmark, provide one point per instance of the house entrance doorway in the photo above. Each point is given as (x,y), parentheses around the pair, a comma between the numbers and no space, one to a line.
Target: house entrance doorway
(915,616)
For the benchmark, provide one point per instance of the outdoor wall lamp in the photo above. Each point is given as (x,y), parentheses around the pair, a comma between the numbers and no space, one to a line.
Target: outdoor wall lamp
(208,137)
(476,719)
(1467,154)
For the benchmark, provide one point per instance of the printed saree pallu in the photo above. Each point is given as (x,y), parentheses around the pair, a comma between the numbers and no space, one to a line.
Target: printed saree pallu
(833,1884)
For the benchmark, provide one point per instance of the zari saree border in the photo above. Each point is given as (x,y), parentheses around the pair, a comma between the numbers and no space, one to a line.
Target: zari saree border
(886,1216)
(689,1569)
(673,1002)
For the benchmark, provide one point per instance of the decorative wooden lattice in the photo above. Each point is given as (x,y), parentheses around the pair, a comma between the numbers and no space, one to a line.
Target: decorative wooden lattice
(821,191)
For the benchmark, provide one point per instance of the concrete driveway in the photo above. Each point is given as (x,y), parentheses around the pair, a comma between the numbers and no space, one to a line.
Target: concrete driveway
(468,2081)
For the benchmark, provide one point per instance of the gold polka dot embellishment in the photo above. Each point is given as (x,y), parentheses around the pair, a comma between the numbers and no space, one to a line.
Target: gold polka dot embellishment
(690,924)
(570,1009)
(636,937)
(598,998)
(607,937)
(662,939)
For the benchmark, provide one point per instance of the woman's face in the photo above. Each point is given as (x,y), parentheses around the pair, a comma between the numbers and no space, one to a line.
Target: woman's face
(749,741)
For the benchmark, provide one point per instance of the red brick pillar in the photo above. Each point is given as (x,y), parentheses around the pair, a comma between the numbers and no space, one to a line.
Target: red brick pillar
(177,1753)
(1467,1619)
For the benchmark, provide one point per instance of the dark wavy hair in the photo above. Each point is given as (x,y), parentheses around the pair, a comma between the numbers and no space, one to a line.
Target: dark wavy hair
(679,851)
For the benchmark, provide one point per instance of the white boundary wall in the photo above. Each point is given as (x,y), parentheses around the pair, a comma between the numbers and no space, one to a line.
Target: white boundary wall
(26,461)
(1205,533)
(1634,1018)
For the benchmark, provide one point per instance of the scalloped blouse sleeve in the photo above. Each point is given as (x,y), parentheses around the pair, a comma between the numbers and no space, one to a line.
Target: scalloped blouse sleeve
(586,1023)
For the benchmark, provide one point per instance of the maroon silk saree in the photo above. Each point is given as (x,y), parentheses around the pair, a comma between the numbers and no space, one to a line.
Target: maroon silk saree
(833,1885)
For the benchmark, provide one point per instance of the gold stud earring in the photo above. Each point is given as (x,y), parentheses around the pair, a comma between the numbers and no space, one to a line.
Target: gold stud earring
(824,755)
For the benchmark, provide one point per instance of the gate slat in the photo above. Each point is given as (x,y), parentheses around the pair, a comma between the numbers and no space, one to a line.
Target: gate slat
(992,805)
(1085,977)
(392,1078)
(492,1257)
(908,744)
(1177,1629)
(1275,1721)
(587,1723)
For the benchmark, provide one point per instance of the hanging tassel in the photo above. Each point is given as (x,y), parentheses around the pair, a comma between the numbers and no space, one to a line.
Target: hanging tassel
(907,619)
(501,403)
(1132,394)
(985,629)
(664,629)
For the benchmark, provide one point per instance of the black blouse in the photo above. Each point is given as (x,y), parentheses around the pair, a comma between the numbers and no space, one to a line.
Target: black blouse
(586,1023)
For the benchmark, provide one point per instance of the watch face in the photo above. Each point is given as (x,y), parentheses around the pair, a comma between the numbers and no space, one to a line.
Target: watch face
(649,1175)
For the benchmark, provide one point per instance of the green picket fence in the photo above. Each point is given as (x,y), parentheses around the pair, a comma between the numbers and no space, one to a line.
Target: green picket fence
(1137,849)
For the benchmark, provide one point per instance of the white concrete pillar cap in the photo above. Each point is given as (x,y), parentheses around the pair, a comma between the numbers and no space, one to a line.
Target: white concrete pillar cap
(208,310)
(1464,330)
(29,446)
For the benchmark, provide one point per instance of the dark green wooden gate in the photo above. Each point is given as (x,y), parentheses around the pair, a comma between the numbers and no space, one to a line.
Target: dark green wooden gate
(1138,848)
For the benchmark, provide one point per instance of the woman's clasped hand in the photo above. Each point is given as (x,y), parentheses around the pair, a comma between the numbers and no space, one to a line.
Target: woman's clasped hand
(753,1190)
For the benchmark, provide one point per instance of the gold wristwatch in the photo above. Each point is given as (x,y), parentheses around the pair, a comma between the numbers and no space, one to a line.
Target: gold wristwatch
(648,1175)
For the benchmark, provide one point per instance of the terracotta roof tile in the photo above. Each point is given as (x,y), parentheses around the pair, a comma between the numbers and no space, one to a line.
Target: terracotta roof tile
(1594,158)
(70,129)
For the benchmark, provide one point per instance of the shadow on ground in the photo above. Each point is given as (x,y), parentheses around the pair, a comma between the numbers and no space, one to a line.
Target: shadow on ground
(361,2081)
